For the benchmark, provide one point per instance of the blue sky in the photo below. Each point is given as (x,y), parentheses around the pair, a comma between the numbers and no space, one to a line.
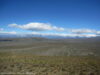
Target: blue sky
(74,16)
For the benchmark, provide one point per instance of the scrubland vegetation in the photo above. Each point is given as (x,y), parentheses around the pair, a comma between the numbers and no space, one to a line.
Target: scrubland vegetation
(49,57)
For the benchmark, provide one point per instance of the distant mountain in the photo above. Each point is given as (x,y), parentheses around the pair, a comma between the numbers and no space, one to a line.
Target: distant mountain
(47,37)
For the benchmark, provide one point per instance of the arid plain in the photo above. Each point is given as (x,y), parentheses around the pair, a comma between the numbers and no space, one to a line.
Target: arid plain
(41,56)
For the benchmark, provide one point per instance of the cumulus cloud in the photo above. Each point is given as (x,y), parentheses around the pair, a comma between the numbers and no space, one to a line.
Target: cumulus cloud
(35,26)
(67,32)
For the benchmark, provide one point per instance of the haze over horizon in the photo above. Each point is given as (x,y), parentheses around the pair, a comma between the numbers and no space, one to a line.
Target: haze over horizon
(65,18)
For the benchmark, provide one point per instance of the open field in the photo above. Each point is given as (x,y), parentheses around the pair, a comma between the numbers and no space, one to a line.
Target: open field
(38,56)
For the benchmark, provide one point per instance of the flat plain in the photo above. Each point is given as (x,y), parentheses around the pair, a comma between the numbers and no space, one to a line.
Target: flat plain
(40,56)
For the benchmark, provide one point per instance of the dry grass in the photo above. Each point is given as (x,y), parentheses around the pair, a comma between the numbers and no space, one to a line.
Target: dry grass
(49,65)
(64,57)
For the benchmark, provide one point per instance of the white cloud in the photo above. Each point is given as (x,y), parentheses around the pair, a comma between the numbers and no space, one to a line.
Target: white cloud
(64,34)
(35,26)
(1,29)
(81,31)
(84,31)
(6,32)
(11,32)
(98,32)
(50,34)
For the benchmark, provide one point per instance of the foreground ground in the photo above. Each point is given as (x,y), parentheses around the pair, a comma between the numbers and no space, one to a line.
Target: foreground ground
(49,57)
(15,64)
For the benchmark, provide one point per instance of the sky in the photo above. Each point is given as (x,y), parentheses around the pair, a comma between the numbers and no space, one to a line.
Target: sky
(50,17)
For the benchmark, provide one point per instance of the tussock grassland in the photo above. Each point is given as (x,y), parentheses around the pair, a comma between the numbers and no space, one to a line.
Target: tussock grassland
(49,57)
(48,65)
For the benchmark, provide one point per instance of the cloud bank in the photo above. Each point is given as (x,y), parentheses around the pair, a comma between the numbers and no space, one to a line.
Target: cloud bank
(82,31)
(7,32)
(11,32)
(64,34)
(35,28)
